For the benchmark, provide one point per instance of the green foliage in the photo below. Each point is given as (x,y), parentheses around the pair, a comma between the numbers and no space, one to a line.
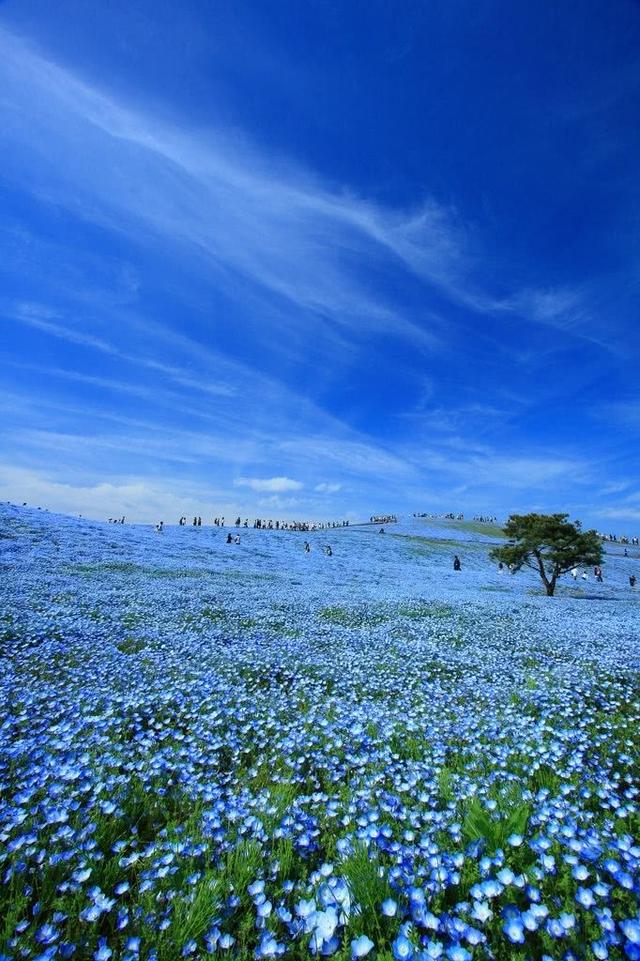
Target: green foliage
(549,544)
(192,917)
(494,827)
(131,645)
(242,865)
(446,791)
(369,888)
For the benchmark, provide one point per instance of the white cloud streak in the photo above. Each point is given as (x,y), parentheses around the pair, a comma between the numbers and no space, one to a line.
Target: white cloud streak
(275,485)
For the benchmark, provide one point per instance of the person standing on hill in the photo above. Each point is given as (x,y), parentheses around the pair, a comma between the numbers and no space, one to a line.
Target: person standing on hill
(457,566)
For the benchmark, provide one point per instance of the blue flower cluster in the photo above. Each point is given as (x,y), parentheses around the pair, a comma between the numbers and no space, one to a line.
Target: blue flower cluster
(251,751)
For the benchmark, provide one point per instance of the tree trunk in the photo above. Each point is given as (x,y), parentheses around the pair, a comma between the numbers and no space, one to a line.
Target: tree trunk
(550,585)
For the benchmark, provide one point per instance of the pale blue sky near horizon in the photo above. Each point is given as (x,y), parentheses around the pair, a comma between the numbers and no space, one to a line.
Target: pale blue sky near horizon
(321,259)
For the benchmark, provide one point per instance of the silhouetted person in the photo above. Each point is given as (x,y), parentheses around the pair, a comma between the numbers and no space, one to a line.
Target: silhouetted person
(632,580)
(229,538)
(457,566)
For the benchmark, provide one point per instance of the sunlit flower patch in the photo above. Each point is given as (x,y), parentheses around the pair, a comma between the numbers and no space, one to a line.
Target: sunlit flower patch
(248,751)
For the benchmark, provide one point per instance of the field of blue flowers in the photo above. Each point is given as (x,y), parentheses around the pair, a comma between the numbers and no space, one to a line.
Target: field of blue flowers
(253,752)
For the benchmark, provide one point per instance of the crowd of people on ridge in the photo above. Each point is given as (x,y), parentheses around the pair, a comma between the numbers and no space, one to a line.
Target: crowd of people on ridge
(614,539)
(260,524)
(450,516)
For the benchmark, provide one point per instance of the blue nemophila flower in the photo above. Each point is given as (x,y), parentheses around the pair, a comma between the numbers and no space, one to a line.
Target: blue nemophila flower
(457,953)
(90,913)
(361,946)
(389,908)
(47,934)
(481,911)
(433,950)
(474,937)
(269,947)
(325,923)
(211,939)
(305,909)
(47,954)
(103,952)
(514,930)
(631,930)
(585,897)
(491,888)
(505,876)
(532,919)
(555,928)
(567,921)
(402,948)
(264,909)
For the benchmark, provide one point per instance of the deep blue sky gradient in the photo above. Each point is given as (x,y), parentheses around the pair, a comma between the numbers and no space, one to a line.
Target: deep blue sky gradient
(321,258)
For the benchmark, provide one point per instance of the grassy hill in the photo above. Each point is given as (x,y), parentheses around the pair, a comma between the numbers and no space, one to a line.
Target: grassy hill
(253,751)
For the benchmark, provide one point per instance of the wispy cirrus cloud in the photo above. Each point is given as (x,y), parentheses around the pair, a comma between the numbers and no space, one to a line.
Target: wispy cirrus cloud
(219,201)
(623,512)
(218,198)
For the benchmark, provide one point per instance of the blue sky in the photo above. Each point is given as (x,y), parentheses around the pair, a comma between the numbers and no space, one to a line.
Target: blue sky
(320,259)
